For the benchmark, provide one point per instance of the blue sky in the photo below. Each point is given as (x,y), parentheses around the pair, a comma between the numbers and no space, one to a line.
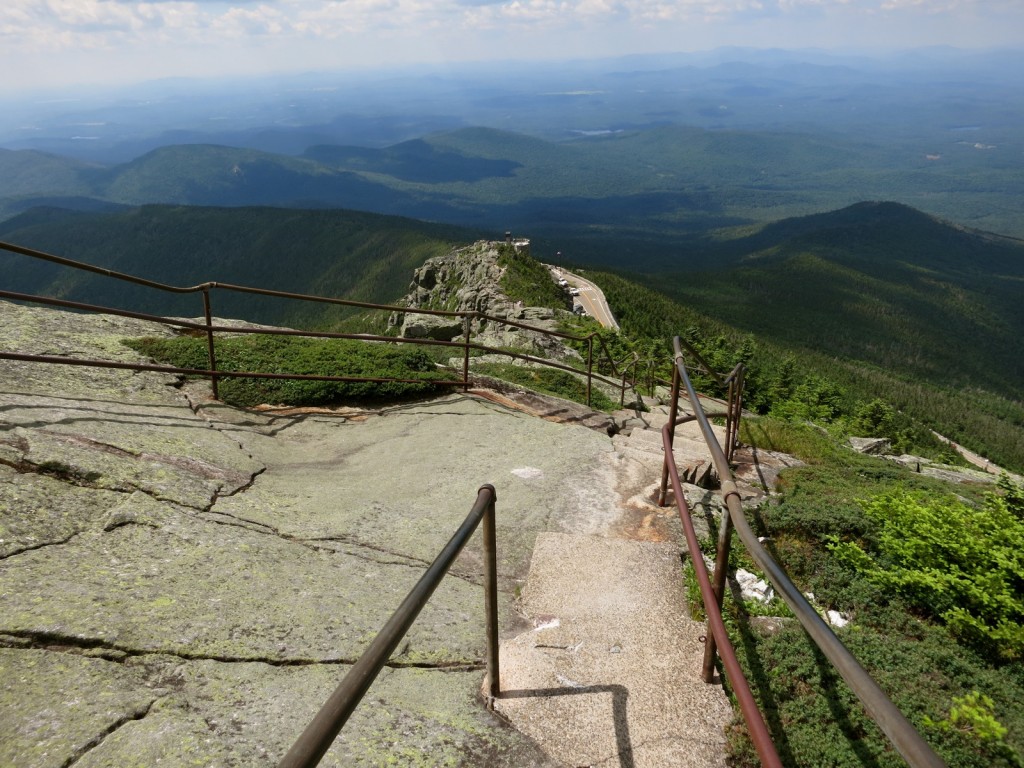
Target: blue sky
(61,42)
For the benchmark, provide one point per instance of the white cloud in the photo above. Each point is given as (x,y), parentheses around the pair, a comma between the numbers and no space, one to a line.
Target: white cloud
(43,23)
(60,24)
(243,22)
(155,35)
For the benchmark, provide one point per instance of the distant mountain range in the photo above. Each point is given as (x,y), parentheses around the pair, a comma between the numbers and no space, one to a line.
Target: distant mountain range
(645,187)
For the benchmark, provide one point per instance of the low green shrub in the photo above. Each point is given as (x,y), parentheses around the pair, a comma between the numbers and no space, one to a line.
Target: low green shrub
(816,720)
(694,601)
(286,354)
(961,563)
(806,442)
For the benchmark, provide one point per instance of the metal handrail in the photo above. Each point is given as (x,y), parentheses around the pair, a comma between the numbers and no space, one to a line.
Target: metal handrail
(879,707)
(267,331)
(756,725)
(316,739)
(200,287)
(209,328)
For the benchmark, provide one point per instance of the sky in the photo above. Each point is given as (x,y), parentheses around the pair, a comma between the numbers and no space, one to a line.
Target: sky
(52,43)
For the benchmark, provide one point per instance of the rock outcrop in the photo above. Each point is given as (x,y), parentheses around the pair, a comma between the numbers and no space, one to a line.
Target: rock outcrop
(873,446)
(468,280)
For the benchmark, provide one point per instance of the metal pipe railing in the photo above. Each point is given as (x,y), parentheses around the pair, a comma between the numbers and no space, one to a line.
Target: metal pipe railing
(214,372)
(81,265)
(705,366)
(209,329)
(316,739)
(879,707)
(756,726)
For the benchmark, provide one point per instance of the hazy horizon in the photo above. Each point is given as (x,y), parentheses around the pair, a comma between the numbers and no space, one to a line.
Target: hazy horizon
(62,43)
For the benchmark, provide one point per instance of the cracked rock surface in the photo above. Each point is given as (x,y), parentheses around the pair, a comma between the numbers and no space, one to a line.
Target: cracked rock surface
(184,583)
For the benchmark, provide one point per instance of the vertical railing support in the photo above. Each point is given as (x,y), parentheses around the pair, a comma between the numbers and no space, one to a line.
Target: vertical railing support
(730,418)
(741,383)
(672,414)
(316,739)
(590,366)
(209,342)
(718,585)
(467,322)
(734,410)
(491,597)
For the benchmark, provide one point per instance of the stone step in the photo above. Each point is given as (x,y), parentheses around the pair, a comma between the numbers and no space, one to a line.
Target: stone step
(656,419)
(691,455)
(609,674)
(652,437)
(684,450)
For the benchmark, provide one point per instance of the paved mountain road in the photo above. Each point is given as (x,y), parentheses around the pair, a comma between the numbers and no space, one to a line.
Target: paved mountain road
(590,297)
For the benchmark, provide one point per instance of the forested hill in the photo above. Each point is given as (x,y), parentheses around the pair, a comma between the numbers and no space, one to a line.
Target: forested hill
(344,254)
(878,283)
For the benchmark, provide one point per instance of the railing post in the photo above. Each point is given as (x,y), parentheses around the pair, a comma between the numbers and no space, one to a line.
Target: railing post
(590,366)
(465,354)
(730,418)
(718,585)
(741,382)
(491,597)
(672,413)
(323,729)
(209,342)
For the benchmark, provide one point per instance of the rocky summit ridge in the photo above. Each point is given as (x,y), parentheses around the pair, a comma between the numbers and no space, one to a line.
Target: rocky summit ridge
(469,279)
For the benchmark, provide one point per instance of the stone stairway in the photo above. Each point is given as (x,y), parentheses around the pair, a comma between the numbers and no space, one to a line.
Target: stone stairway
(608,672)
(689,448)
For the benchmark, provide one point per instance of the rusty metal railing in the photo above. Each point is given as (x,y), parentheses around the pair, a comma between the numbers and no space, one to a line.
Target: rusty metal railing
(879,707)
(316,739)
(214,373)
